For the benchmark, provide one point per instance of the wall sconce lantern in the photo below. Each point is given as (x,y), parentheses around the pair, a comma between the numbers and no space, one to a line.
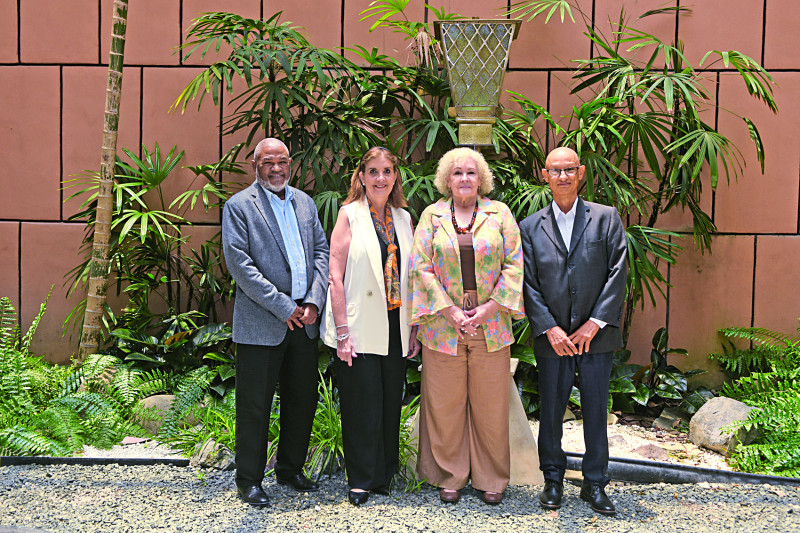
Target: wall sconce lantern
(477,55)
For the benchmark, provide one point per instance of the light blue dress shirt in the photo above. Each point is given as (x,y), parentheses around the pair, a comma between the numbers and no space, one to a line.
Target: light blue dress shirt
(287,220)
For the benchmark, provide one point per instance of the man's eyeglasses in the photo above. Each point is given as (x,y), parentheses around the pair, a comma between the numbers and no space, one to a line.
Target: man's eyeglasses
(556,172)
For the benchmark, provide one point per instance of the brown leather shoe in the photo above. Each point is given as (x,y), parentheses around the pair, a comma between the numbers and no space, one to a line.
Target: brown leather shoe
(492,498)
(449,495)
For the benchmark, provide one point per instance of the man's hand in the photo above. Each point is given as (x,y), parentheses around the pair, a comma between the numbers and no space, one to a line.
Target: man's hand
(560,342)
(310,313)
(295,321)
(583,336)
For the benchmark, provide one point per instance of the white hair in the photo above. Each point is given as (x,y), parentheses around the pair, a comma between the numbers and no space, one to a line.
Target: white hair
(269,140)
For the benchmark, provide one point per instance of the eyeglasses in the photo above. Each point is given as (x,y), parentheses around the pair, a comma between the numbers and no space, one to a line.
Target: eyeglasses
(556,172)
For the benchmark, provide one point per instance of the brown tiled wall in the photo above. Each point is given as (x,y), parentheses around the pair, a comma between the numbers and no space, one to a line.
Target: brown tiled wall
(52,73)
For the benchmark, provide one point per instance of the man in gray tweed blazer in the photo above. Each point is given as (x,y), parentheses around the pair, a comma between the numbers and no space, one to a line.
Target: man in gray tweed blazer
(277,253)
(574,288)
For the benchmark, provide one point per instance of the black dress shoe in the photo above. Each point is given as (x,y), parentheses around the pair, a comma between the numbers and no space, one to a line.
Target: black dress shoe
(358,497)
(598,501)
(298,482)
(253,494)
(550,498)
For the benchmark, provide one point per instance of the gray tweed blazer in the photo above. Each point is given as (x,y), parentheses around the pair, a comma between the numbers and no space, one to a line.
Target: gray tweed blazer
(256,258)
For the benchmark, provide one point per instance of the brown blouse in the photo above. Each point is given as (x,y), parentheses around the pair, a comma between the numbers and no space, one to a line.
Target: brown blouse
(467,262)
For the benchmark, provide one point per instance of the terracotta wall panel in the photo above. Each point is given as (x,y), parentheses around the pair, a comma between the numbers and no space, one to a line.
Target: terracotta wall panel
(8,31)
(646,321)
(387,42)
(50,32)
(9,266)
(776,304)
(551,45)
(82,121)
(710,292)
(193,8)
(770,201)
(194,131)
(321,20)
(30,152)
(152,35)
(782,38)
(742,30)
(532,85)
(49,251)
(485,9)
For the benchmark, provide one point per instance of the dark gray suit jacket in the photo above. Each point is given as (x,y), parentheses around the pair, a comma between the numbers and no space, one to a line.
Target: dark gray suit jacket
(566,289)
(256,258)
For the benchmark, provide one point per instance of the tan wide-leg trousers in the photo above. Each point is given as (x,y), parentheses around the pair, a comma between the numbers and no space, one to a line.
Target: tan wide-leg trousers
(464,417)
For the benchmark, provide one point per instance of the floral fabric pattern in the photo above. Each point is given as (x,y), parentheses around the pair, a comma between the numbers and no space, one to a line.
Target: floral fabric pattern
(435,273)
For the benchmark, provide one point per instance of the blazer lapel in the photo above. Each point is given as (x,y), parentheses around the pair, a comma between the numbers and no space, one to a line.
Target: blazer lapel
(550,228)
(302,214)
(263,206)
(582,219)
(372,245)
(485,208)
(445,218)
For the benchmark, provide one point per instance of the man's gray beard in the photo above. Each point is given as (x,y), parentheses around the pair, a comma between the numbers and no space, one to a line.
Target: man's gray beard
(269,185)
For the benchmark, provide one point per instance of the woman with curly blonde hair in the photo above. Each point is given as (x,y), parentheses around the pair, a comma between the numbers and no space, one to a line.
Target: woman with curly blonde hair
(466,287)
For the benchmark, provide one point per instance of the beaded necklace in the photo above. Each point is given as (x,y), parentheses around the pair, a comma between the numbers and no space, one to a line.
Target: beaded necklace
(459,229)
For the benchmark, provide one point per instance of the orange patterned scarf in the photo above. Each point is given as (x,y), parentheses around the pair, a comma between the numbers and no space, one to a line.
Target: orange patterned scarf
(391,273)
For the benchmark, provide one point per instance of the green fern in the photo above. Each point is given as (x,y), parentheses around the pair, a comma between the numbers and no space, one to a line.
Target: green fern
(770,382)
(189,392)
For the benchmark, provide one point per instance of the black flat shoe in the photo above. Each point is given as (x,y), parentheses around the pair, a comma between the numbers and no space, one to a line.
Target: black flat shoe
(383,490)
(550,498)
(253,494)
(357,497)
(298,482)
(598,501)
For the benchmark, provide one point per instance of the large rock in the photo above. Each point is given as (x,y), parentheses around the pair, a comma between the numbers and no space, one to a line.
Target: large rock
(213,455)
(705,428)
(156,408)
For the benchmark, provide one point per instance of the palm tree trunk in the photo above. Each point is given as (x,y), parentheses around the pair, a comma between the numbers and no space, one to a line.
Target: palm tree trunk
(98,268)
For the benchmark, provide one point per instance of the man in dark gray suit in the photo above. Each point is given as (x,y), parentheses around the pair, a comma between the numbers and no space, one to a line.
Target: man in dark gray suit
(574,292)
(277,253)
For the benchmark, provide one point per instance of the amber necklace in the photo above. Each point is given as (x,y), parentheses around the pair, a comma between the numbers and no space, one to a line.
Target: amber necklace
(459,229)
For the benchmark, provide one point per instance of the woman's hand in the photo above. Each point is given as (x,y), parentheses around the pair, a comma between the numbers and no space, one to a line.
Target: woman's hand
(345,352)
(456,317)
(478,316)
(414,345)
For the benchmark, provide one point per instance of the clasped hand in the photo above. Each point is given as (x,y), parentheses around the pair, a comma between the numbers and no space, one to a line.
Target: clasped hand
(576,344)
(302,315)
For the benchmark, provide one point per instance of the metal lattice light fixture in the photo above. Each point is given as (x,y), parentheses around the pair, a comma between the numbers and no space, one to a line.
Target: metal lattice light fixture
(477,55)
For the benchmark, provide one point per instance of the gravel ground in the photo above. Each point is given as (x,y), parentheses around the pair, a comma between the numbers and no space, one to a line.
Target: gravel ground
(174,499)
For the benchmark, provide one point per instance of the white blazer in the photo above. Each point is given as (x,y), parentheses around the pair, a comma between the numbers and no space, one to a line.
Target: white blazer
(364,289)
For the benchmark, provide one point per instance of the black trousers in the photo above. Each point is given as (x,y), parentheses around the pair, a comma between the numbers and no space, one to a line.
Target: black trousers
(556,377)
(258,368)
(371,396)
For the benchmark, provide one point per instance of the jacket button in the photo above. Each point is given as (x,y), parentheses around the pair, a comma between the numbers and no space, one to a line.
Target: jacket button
(571,265)
(369,293)
(574,315)
(573,291)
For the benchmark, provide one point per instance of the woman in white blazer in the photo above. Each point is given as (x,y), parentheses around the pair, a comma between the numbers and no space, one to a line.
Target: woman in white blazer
(366,320)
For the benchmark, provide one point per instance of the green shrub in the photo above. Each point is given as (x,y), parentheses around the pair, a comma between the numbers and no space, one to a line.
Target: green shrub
(768,379)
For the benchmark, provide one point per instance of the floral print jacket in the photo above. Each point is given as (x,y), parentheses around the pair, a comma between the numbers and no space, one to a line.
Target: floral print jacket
(435,273)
